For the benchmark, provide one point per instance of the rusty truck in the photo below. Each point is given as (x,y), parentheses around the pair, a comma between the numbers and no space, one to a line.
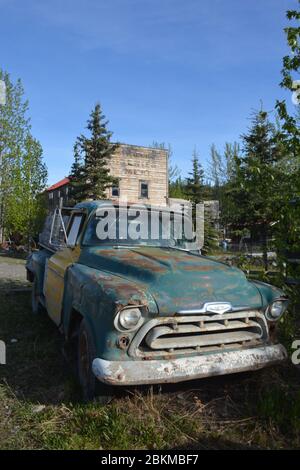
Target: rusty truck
(135,311)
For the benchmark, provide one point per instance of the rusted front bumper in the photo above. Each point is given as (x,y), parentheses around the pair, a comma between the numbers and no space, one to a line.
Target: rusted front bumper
(179,370)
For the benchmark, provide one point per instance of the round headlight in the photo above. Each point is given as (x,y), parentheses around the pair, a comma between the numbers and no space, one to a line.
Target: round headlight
(276,309)
(130,318)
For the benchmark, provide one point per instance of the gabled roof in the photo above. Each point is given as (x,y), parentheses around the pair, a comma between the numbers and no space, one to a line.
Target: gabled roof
(59,184)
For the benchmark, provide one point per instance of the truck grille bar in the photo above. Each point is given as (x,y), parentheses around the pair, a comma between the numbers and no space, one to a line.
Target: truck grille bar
(200,333)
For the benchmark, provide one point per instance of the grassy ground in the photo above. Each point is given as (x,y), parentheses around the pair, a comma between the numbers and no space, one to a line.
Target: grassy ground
(40,406)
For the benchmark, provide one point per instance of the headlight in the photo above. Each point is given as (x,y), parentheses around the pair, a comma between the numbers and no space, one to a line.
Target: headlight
(276,309)
(130,318)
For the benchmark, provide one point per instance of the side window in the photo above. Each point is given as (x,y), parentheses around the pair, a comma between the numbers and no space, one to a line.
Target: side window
(53,234)
(74,227)
(144,189)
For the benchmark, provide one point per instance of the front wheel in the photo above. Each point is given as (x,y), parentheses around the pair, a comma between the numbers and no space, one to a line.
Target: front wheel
(86,353)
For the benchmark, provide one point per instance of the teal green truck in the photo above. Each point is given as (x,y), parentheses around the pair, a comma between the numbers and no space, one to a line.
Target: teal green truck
(143,311)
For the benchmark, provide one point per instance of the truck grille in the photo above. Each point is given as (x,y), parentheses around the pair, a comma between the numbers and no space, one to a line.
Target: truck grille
(199,333)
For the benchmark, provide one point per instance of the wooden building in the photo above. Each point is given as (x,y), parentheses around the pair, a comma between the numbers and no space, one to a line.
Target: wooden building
(142,174)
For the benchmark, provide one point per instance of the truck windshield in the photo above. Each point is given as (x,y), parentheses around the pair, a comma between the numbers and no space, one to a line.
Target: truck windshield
(140,227)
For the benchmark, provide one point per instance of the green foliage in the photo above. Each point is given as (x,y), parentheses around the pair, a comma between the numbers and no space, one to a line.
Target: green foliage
(26,205)
(231,154)
(281,406)
(194,188)
(177,188)
(90,174)
(256,191)
(222,174)
(23,173)
(290,134)
(288,228)
(211,236)
(76,177)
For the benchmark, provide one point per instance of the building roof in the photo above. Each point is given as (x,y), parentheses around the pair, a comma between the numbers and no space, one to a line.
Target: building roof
(59,184)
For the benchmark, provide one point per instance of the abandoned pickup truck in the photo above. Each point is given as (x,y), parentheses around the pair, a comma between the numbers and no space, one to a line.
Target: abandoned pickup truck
(143,311)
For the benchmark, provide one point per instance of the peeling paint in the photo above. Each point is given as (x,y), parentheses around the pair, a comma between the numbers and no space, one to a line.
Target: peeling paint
(179,370)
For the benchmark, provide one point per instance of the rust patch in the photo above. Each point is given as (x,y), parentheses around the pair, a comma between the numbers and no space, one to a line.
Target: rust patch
(197,267)
(123,342)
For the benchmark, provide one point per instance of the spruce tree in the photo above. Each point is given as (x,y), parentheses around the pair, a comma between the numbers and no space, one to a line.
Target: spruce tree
(90,175)
(195,191)
(195,182)
(211,236)
(76,177)
(177,188)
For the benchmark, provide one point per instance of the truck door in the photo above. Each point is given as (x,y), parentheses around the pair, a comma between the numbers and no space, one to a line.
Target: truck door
(57,265)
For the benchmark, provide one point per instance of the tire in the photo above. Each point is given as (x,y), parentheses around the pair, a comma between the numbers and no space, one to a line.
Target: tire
(36,306)
(86,352)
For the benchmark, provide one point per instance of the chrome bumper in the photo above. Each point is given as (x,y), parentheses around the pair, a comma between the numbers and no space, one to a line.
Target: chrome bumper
(179,370)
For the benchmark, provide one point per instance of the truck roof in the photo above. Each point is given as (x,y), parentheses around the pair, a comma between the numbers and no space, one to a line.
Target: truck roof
(92,205)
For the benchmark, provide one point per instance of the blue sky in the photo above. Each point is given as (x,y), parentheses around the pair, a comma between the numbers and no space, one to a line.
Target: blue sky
(186,73)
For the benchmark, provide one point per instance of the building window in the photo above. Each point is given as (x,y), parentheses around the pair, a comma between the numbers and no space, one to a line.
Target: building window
(50,196)
(115,190)
(144,189)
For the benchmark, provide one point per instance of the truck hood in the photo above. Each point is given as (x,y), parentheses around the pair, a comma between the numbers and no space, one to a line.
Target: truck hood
(176,279)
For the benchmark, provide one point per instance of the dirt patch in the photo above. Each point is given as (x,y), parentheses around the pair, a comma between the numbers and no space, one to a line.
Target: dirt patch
(12,273)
